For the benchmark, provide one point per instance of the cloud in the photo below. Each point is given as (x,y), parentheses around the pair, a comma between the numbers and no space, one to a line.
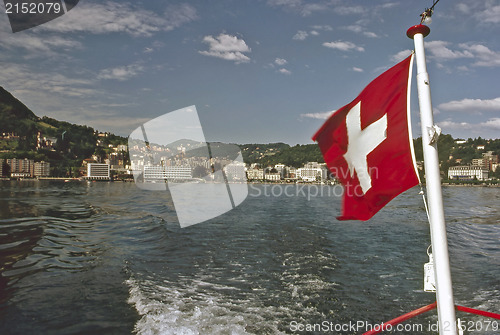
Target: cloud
(300,35)
(481,54)
(343,46)
(114,17)
(471,105)
(357,69)
(37,46)
(370,34)
(350,10)
(227,47)
(27,79)
(304,8)
(492,123)
(356,28)
(121,73)
(478,128)
(448,125)
(280,61)
(284,71)
(440,50)
(400,55)
(484,56)
(490,14)
(325,27)
(320,116)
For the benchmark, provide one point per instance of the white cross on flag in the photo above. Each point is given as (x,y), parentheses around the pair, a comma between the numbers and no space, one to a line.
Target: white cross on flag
(367,144)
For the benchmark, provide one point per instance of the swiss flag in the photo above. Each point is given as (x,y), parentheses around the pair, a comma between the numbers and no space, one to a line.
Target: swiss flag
(367,144)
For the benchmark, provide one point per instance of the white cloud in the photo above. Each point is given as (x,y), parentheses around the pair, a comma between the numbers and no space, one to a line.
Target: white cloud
(471,105)
(325,27)
(350,10)
(492,123)
(300,35)
(304,8)
(440,50)
(448,125)
(113,17)
(320,116)
(121,73)
(284,71)
(476,128)
(314,33)
(227,47)
(25,79)
(400,55)
(37,46)
(356,28)
(280,61)
(357,69)
(343,45)
(490,14)
(463,8)
(370,34)
(483,55)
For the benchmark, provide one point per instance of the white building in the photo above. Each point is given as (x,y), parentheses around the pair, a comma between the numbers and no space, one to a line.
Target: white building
(256,174)
(281,168)
(467,172)
(235,171)
(313,171)
(168,172)
(273,176)
(98,171)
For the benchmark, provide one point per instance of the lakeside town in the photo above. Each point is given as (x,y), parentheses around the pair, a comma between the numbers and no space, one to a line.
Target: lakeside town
(175,164)
(42,147)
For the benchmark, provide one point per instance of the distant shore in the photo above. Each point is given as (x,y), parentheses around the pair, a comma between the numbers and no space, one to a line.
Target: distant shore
(267,182)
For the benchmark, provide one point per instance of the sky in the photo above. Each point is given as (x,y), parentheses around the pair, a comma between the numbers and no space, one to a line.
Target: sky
(258,71)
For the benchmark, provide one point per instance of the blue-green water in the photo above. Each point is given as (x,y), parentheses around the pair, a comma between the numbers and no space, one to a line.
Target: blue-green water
(108,258)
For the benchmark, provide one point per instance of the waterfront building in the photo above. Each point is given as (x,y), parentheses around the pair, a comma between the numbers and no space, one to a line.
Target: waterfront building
(24,168)
(255,174)
(467,172)
(235,171)
(313,171)
(98,171)
(159,172)
(42,169)
(281,168)
(273,176)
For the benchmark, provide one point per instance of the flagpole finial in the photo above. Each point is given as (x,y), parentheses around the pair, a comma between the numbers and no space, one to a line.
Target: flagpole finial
(418,29)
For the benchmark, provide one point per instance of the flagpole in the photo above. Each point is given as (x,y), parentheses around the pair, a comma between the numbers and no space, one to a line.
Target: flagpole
(430,132)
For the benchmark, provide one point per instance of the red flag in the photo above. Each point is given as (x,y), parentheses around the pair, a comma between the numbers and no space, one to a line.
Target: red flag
(367,144)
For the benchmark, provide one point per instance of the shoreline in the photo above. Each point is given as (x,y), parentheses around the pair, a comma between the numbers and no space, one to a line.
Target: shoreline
(497,185)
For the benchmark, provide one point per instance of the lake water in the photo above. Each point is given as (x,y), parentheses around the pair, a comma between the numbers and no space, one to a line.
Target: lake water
(108,258)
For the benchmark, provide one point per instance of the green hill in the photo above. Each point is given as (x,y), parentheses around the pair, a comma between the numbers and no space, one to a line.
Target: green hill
(67,146)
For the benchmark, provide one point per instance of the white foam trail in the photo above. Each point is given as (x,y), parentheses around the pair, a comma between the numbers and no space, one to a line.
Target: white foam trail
(168,309)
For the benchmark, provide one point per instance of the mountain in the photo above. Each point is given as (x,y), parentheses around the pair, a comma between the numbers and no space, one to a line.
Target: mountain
(11,110)
(63,144)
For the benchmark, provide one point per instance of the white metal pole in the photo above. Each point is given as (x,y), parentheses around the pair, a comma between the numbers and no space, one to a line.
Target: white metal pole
(444,291)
